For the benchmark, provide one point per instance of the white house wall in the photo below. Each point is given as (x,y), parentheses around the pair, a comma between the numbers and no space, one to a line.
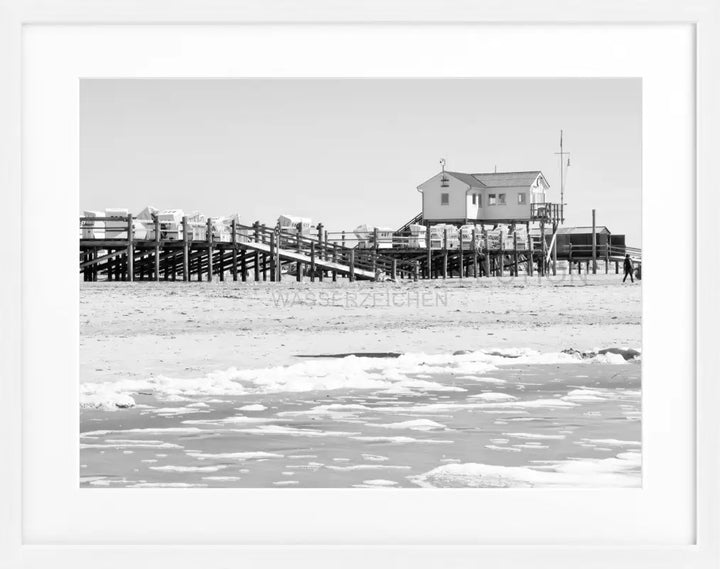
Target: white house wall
(461,206)
(432,208)
(511,209)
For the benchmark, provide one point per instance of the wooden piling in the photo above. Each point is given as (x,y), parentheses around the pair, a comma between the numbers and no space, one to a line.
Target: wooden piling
(393,270)
(475,253)
(130,249)
(243,265)
(429,252)
(335,260)
(554,250)
(312,261)
(543,247)
(209,239)
(264,255)
(607,253)
(273,268)
(233,229)
(530,250)
(156,226)
(445,255)
(515,254)
(352,265)
(501,257)
(594,245)
(487,254)
(186,250)
(256,258)
(460,254)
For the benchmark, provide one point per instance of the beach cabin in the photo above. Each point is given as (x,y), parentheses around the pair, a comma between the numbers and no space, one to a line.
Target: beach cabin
(579,239)
(495,197)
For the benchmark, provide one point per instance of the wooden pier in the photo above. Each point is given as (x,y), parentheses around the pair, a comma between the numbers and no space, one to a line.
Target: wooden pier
(258,253)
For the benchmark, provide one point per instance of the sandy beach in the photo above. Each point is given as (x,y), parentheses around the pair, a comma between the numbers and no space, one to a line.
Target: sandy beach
(132,330)
(479,383)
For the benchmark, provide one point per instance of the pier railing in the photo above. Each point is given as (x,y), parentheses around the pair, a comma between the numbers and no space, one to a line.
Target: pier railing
(128,248)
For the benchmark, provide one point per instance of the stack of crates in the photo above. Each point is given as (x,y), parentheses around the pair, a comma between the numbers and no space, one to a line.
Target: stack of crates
(497,238)
(466,232)
(522,238)
(437,236)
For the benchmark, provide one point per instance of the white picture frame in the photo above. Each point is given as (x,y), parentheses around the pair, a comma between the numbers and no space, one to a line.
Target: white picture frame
(17,552)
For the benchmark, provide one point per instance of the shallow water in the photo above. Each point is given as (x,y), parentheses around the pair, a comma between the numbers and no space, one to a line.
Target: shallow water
(547,425)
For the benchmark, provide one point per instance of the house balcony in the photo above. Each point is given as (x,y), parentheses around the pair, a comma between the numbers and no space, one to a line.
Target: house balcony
(547,212)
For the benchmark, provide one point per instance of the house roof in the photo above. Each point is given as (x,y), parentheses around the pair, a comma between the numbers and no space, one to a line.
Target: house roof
(582,230)
(468,179)
(507,179)
(496,179)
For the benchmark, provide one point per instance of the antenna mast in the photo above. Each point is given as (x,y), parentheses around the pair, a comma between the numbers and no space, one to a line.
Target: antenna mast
(562,178)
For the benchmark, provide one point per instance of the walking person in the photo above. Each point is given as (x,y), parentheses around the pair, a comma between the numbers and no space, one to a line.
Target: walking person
(628,268)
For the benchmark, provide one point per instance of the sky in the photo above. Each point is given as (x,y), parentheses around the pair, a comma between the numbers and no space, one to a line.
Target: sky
(350,151)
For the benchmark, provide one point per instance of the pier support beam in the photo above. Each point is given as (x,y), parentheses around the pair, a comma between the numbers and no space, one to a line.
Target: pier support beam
(312,261)
(130,250)
(594,245)
(487,254)
(445,255)
(273,267)
(429,252)
(256,258)
(543,248)
(209,250)
(156,224)
(186,250)
(475,253)
(233,229)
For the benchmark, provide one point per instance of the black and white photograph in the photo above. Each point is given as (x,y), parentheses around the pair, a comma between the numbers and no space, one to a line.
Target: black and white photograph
(360,283)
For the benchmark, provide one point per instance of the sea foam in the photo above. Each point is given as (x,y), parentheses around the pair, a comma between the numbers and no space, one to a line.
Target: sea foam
(404,374)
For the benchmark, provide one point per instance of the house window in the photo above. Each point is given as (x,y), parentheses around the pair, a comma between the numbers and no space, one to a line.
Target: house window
(444,199)
(474,198)
(521,198)
(492,199)
(501,199)
(479,197)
